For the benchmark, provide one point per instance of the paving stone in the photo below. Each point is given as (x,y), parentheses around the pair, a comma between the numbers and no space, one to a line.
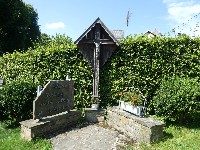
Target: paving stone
(90,137)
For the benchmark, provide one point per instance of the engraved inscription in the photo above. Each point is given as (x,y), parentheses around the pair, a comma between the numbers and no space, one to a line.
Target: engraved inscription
(56,97)
(54,94)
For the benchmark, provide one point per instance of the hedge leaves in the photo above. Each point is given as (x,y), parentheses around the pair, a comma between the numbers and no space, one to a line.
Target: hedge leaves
(139,61)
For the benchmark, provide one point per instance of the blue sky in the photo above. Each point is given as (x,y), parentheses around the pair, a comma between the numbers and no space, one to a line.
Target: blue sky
(73,17)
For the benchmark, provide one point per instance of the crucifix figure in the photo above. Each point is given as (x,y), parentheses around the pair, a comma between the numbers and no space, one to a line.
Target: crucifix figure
(96,61)
(96,70)
(97,44)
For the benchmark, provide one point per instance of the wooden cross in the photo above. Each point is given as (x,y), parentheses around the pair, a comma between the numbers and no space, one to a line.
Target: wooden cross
(97,44)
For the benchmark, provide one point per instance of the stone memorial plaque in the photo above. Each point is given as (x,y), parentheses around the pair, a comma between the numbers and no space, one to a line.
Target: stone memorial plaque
(57,96)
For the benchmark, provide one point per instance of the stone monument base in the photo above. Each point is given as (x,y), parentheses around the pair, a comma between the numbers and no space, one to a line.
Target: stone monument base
(95,116)
(142,130)
(48,125)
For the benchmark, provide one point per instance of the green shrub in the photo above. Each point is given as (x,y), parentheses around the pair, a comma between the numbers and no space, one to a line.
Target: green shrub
(54,59)
(143,62)
(17,100)
(139,61)
(1,107)
(178,99)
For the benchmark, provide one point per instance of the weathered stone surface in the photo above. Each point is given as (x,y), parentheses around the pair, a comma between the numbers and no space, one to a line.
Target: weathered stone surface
(56,97)
(143,130)
(91,137)
(49,125)
(94,116)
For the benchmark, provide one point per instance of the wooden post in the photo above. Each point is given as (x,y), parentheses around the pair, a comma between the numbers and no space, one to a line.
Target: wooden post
(96,62)
(96,70)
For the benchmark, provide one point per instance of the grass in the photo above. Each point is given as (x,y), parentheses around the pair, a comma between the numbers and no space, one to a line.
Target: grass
(176,137)
(10,140)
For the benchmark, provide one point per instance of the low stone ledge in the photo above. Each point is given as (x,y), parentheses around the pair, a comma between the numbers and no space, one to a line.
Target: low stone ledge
(142,130)
(94,116)
(49,125)
(31,128)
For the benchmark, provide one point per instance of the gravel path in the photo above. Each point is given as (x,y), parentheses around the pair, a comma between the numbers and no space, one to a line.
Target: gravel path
(90,137)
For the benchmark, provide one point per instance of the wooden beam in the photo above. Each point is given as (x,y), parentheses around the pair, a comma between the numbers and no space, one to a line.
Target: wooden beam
(101,41)
(108,43)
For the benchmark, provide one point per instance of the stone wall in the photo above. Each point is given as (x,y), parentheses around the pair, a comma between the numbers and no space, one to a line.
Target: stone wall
(143,130)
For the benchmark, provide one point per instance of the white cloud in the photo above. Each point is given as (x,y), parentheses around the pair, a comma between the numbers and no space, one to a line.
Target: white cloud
(170,1)
(55,25)
(184,15)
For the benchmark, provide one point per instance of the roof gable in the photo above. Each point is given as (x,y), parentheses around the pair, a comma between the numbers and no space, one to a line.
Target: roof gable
(97,21)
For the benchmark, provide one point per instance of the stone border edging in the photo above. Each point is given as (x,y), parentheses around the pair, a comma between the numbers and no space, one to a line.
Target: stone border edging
(143,130)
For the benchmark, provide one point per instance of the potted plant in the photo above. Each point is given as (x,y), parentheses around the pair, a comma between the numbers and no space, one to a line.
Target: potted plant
(94,102)
(133,101)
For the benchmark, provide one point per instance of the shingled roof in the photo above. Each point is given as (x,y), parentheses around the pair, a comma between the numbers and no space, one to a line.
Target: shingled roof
(118,34)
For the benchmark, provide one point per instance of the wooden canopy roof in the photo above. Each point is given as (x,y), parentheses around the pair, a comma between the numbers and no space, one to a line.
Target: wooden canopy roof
(98,34)
(97,21)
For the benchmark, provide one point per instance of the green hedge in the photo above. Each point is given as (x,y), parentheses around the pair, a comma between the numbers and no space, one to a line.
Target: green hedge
(54,59)
(139,61)
(178,99)
(16,100)
(144,62)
